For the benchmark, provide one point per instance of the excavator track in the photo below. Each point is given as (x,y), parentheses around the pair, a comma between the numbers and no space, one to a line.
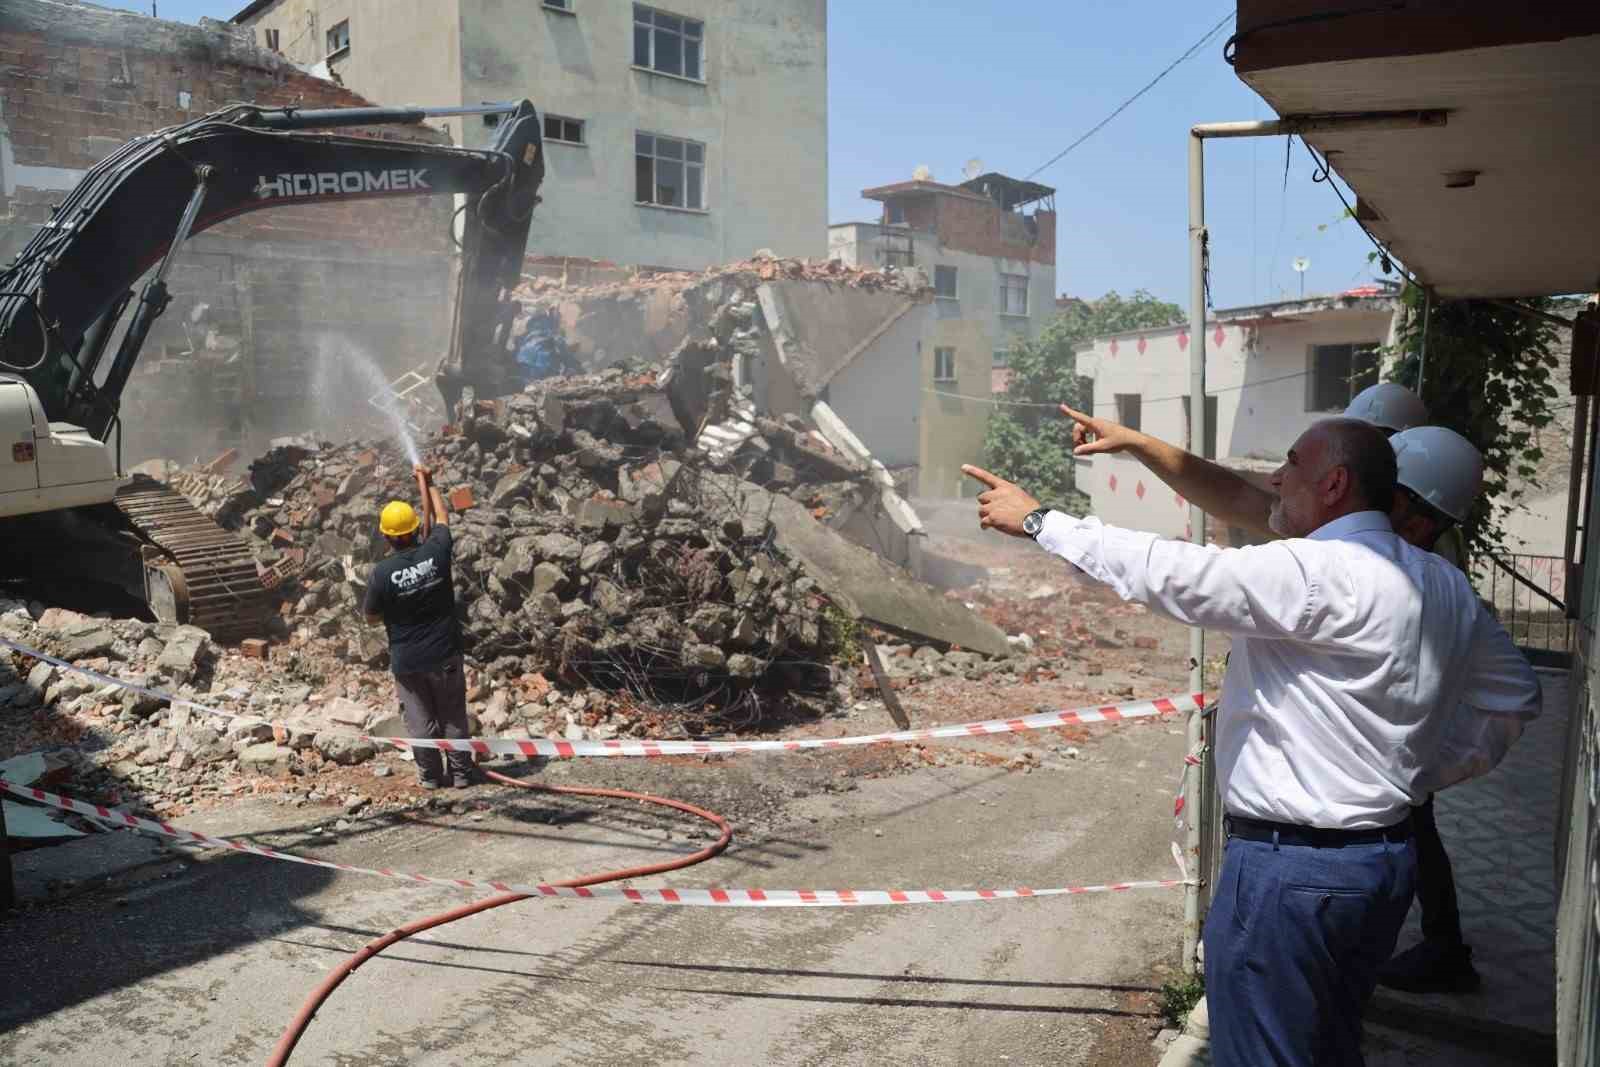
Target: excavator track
(195,571)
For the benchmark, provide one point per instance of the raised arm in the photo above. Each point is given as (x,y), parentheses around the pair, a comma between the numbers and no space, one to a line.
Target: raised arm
(1218,491)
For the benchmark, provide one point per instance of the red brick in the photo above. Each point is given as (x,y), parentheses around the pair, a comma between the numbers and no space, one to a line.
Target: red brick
(461,498)
(253,647)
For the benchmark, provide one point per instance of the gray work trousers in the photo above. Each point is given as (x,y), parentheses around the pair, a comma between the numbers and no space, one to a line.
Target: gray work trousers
(434,704)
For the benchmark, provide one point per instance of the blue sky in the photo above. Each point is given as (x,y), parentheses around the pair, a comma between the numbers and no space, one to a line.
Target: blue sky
(939,82)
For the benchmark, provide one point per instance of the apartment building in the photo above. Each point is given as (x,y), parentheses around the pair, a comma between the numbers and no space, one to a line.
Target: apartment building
(675,137)
(988,247)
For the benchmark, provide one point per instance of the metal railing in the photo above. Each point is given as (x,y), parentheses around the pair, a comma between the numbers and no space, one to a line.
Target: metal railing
(1528,594)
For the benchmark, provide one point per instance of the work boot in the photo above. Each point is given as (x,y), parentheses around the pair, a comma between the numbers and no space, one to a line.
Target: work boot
(1429,967)
(470,776)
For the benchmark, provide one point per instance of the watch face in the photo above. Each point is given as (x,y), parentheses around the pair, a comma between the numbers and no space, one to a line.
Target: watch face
(1032,523)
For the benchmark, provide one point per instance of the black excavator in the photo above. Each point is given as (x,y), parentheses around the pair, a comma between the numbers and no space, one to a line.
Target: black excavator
(72,328)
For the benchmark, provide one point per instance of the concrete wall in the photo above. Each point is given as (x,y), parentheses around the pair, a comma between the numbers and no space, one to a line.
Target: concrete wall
(874,397)
(761,111)
(80,81)
(387,40)
(1257,368)
(954,415)
(761,114)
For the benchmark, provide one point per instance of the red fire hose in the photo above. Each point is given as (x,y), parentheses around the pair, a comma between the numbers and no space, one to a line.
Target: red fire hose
(291,1035)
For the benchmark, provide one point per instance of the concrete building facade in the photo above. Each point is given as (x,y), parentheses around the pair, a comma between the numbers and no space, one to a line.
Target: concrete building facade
(680,136)
(1271,371)
(987,248)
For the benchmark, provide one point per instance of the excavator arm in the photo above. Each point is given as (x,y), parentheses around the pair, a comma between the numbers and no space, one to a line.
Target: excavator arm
(62,298)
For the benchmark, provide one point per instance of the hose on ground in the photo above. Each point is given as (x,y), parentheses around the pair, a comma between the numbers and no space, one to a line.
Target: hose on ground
(297,1027)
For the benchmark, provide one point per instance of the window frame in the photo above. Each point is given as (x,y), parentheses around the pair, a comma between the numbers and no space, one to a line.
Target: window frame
(892,209)
(560,7)
(270,37)
(1317,380)
(955,282)
(1124,408)
(654,29)
(334,51)
(1008,284)
(1000,359)
(948,355)
(683,160)
(581,124)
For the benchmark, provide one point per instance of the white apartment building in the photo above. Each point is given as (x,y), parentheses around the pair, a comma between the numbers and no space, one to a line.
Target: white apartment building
(1271,371)
(677,136)
(988,247)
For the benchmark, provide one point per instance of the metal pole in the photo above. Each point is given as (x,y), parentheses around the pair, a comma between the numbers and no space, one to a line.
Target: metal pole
(1197,533)
(1422,358)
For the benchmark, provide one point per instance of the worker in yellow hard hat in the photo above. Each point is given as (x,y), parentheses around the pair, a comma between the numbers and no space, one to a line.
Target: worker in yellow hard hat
(411,592)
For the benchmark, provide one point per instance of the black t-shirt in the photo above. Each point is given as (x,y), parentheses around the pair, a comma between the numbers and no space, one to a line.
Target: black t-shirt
(414,593)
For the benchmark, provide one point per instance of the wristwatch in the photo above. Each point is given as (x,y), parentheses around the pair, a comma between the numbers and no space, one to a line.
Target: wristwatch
(1033,522)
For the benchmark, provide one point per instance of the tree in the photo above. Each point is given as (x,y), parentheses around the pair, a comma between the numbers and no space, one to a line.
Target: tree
(1490,377)
(1030,443)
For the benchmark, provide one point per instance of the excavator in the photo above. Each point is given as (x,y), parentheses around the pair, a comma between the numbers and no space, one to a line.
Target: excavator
(72,328)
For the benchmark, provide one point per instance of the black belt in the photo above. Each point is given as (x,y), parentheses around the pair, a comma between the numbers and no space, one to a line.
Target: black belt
(1286,833)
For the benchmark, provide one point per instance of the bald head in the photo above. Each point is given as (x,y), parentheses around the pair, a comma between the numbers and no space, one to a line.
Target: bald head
(1337,467)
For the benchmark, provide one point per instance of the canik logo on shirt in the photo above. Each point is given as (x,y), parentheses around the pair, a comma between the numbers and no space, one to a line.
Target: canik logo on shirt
(414,575)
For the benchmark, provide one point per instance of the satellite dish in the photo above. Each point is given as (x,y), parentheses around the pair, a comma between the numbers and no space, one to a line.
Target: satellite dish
(1301,263)
(973,168)
(922,173)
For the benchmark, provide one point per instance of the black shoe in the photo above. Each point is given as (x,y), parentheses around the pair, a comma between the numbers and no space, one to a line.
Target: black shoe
(1429,967)
(429,783)
(463,779)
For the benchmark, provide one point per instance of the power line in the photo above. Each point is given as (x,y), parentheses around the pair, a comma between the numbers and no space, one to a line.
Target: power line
(1194,48)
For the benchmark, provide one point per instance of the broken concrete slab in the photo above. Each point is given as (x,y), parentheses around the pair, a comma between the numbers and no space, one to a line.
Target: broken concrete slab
(859,580)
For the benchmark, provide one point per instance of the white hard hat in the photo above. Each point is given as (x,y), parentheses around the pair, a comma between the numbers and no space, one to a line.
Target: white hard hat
(1389,406)
(1440,466)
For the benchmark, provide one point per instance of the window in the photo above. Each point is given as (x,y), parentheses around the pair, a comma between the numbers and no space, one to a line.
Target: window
(339,39)
(894,213)
(1338,373)
(560,5)
(669,172)
(1211,428)
(1128,409)
(271,38)
(944,364)
(1013,294)
(667,44)
(1002,358)
(944,282)
(565,130)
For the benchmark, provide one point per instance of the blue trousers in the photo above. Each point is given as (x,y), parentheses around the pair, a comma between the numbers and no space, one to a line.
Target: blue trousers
(1294,939)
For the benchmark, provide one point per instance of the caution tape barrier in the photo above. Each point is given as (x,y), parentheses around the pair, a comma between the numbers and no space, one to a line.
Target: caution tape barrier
(731,898)
(562,749)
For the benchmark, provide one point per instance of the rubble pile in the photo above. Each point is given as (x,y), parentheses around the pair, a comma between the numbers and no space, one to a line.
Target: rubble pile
(589,547)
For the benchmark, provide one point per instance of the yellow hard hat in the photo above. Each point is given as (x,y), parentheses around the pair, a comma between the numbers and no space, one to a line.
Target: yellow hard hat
(398,519)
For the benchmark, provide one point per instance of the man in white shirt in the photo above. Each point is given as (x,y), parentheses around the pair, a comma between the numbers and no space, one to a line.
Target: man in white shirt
(1346,638)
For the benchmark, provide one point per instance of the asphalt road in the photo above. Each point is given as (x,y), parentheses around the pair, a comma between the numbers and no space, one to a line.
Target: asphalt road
(205,960)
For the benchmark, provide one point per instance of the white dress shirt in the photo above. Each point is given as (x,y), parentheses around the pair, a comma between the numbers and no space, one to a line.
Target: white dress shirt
(1345,643)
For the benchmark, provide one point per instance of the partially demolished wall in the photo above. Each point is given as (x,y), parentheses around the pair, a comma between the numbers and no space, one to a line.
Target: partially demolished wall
(762,339)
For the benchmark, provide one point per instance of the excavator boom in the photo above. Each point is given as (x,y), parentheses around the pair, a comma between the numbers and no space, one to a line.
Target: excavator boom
(60,299)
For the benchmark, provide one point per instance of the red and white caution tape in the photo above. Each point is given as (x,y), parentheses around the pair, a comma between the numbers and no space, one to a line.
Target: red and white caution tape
(728,898)
(562,749)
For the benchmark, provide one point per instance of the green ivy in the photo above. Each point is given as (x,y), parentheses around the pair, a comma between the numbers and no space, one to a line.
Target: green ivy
(1490,376)
(1032,446)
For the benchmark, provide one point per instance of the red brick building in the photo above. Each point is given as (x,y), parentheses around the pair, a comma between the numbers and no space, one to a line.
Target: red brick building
(267,306)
